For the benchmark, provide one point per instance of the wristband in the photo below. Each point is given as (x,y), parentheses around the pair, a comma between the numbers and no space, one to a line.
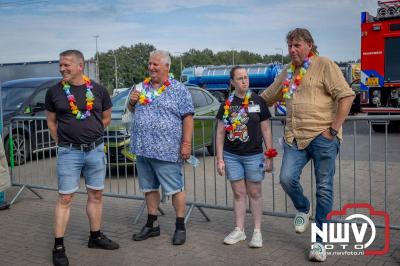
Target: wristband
(271,153)
(186,143)
(332,131)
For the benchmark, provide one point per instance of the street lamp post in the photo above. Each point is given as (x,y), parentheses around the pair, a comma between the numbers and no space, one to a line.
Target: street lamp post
(97,59)
(116,70)
(280,49)
(233,56)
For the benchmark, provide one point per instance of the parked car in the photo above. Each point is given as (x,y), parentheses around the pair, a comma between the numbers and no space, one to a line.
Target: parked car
(26,97)
(117,137)
(118,91)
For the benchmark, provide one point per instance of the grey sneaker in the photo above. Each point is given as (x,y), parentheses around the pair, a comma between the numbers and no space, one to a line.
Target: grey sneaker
(301,221)
(235,236)
(256,240)
(317,253)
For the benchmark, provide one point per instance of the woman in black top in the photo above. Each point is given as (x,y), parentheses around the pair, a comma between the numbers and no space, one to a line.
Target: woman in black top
(243,126)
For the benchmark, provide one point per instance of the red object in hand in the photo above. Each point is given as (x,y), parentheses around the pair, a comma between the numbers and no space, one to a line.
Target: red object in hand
(271,153)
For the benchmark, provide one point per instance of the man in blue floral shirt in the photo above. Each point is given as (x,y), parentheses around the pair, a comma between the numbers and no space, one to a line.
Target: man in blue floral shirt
(161,138)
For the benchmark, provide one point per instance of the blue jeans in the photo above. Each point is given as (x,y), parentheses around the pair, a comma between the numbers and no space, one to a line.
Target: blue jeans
(71,163)
(153,173)
(323,153)
(246,167)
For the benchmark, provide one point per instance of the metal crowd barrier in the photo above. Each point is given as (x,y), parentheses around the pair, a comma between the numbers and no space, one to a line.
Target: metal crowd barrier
(365,170)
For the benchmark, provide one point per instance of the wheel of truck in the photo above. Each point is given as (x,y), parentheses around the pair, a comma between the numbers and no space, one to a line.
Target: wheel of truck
(395,126)
(21,148)
(219,95)
(378,128)
(211,148)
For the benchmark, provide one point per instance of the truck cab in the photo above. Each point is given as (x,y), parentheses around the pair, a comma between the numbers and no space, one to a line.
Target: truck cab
(380,61)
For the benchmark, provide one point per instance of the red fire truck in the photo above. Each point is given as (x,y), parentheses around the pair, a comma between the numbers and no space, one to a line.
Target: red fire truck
(380,60)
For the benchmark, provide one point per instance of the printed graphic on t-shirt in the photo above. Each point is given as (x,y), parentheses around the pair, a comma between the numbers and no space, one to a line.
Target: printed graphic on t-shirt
(240,132)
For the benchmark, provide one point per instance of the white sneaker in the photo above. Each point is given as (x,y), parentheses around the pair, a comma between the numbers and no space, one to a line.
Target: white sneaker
(256,240)
(301,221)
(317,252)
(235,236)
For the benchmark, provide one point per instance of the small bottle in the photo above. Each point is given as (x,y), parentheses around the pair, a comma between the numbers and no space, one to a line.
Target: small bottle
(193,161)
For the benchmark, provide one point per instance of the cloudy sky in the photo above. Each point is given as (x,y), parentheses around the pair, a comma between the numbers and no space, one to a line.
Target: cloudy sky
(37,30)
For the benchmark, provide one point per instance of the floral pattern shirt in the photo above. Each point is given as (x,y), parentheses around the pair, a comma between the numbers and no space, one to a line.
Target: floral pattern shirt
(156,130)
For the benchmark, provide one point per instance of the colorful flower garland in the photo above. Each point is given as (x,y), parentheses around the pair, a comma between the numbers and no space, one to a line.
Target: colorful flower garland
(287,91)
(72,102)
(147,96)
(232,123)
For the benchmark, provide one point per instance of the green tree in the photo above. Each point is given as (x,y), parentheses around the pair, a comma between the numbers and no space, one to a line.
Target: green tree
(237,58)
(131,65)
(132,62)
(193,57)
(276,58)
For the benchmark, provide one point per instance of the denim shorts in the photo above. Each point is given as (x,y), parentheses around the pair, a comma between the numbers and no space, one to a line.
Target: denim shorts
(238,167)
(72,162)
(153,173)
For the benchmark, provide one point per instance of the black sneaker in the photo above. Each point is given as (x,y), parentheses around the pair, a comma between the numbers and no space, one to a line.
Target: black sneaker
(102,242)
(59,256)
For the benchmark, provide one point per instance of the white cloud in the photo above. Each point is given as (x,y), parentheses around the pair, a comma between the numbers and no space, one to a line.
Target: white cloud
(160,6)
(254,25)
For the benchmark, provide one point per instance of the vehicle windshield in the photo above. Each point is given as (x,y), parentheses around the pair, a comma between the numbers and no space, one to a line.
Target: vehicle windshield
(118,101)
(13,98)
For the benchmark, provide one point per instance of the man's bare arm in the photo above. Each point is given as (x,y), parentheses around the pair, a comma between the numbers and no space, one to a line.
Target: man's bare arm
(343,110)
(186,147)
(106,117)
(52,125)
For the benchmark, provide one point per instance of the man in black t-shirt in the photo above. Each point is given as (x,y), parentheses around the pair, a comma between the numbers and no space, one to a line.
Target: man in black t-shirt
(78,110)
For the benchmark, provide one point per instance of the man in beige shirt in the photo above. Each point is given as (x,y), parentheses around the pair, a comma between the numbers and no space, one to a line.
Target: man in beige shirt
(317,100)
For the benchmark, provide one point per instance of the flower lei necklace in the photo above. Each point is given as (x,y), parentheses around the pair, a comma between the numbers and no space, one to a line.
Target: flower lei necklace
(232,123)
(72,102)
(147,96)
(287,91)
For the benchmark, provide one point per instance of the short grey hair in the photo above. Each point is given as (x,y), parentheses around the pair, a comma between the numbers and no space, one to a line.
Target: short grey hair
(78,54)
(165,57)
